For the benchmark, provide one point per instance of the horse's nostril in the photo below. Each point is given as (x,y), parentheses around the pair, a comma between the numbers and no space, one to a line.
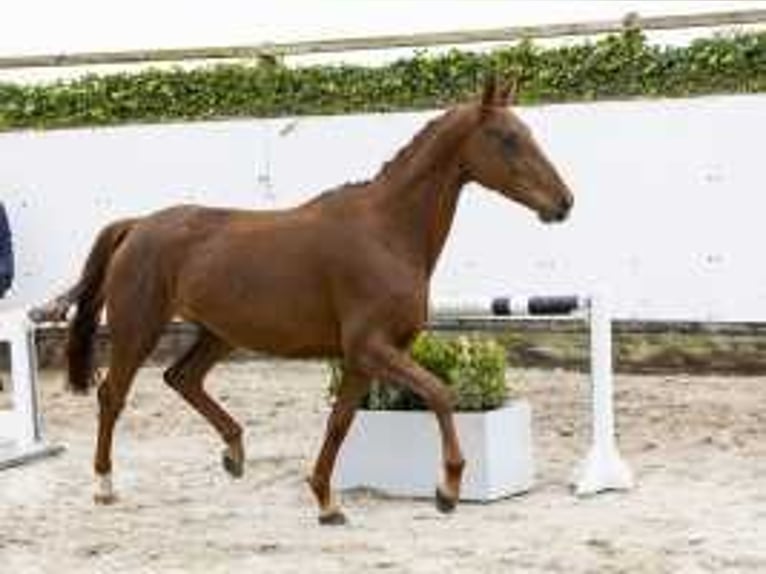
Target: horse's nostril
(565,207)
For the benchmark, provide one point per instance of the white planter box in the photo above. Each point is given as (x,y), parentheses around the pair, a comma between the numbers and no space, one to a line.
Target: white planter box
(399,453)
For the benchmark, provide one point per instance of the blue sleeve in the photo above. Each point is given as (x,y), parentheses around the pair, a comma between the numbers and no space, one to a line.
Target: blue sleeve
(6,252)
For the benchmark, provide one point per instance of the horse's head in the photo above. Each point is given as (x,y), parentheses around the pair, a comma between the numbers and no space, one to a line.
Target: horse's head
(501,154)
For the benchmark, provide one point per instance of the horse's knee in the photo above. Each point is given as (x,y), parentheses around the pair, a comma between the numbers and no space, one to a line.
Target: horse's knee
(440,397)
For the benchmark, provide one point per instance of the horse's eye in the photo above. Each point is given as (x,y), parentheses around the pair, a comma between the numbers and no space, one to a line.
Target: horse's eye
(507,140)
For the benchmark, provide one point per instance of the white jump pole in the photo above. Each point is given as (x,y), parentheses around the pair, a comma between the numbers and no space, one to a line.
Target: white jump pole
(602,468)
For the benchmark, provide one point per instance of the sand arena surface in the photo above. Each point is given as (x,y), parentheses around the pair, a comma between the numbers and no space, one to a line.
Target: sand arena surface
(697,446)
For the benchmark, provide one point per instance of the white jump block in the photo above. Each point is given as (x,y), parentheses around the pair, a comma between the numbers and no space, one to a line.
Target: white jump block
(21,436)
(399,453)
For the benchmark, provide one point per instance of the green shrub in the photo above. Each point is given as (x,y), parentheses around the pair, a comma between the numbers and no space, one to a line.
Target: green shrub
(473,368)
(616,66)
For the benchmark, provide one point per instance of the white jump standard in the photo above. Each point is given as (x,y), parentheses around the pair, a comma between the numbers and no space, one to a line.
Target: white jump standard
(602,468)
(21,437)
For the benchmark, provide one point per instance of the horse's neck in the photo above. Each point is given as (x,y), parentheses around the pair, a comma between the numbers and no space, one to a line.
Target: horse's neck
(419,201)
(440,197)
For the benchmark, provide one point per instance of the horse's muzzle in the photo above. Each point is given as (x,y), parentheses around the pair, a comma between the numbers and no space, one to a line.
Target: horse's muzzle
(560,212)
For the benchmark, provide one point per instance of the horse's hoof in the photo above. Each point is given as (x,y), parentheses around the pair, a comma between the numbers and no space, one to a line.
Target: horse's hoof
(333,518)
(235,467)
(104,499)
(444,504)
(103,493)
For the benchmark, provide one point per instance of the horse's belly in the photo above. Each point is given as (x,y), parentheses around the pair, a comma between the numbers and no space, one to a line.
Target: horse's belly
(289,330)
(299,340)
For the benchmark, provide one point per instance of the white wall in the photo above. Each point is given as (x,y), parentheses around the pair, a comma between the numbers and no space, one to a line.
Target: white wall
(669,197)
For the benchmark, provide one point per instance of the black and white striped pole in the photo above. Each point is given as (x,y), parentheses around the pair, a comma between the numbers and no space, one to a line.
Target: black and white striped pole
(602,468)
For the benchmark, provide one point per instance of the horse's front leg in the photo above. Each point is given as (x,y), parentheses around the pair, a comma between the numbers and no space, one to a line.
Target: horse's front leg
(388,363)
(352,388)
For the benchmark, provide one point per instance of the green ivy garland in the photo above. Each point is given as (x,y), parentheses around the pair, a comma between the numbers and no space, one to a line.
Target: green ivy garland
(617,66)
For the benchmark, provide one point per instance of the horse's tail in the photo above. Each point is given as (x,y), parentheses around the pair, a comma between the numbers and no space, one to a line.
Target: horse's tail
(89,298)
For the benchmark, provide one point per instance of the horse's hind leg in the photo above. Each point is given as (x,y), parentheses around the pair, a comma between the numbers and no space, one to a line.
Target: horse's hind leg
(186,377)
(128,351)
(111,401)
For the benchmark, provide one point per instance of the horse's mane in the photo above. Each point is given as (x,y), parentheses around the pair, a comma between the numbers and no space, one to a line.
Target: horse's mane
(422,138)
(338,189)
(400,161)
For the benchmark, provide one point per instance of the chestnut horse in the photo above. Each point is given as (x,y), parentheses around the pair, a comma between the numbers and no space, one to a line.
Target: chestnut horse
(345,275)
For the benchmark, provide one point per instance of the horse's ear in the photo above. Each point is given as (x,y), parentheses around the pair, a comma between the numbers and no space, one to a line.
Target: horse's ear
(490,91)
(507,95)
